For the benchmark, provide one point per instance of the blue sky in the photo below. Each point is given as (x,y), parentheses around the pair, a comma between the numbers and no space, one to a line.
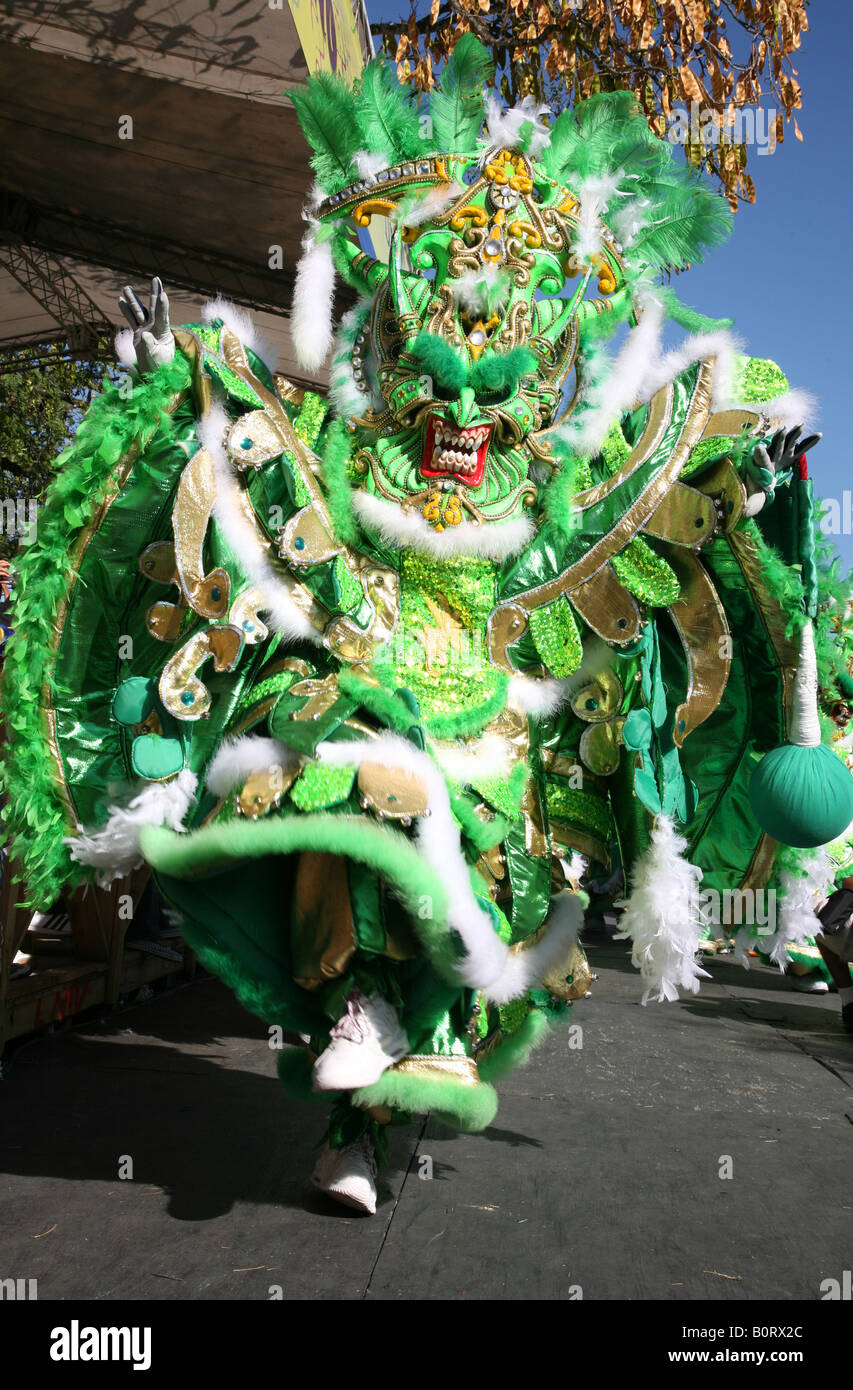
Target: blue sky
(784,275)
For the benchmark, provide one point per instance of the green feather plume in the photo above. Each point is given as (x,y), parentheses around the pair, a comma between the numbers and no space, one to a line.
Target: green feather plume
(502,371)
(456,104)
(609,133)
(326,110)
(437,358)
(388,119)
(687,219)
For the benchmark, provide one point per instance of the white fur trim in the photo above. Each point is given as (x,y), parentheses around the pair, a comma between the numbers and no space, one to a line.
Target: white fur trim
(496,540)
(241,324)
(468,292)
(503,127)
(347,398)
(432,204)
(720,344)
(488,962)
(663,918)
(797,902)
(539,698)
(524,967)
(613,393)
(491,758)
(240,757)
(795,407)
(368,163)
(113,849)
(311,312)
(283,615)
(124,348)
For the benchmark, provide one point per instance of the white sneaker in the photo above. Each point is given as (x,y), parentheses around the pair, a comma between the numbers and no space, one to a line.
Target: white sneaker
(809,984)
(348,1175)
(366,1041)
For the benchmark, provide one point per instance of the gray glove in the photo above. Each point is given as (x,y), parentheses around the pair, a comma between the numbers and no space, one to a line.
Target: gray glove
(769,463)
(152,333)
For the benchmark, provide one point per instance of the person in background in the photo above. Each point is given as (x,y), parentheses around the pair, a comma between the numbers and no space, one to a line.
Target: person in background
(835,943)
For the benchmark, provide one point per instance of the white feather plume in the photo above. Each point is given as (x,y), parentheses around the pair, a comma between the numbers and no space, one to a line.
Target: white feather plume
(796,902)
(240,757)
(242,324)
(503,127)
(497,541)
(311,312)
(124,349)
(112,849)
(663,918)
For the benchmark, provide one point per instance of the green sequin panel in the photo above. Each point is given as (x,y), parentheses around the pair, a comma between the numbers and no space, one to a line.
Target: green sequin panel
(311,415)
(234,384)
(716,447)
(320,785)
(511,1016)
(759,379)
(503,794)
(350,587)
(556,638)
(271,686)
(574,806)
(615,449)
(583,475)
(466,586)
(440,649)
(645,575)
(207,333)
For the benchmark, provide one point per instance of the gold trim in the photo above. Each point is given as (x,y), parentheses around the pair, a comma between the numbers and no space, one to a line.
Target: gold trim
(569,837)
(427,1064)
(675,520)
(700,621)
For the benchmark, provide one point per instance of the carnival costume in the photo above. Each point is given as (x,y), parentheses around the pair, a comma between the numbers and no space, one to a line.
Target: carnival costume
(376,666)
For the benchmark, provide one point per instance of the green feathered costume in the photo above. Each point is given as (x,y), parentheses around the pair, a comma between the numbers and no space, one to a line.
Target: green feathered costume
(354,676)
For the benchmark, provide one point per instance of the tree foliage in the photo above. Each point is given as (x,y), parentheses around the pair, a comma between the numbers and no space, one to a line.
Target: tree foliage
(723,55)
(40,408)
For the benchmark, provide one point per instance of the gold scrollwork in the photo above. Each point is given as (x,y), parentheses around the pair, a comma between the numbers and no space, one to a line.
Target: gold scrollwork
(244,615)
(372,207)
(181,691)
(207,594)
(163,620)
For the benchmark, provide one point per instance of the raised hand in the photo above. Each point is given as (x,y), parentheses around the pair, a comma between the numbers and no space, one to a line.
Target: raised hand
(772,464)
(152,333)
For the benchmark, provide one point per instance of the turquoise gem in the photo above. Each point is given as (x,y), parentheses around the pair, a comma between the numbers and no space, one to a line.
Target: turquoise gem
(216,593)
(188,698)
(247,444)
(592,704)
(248,627)
(299,543)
